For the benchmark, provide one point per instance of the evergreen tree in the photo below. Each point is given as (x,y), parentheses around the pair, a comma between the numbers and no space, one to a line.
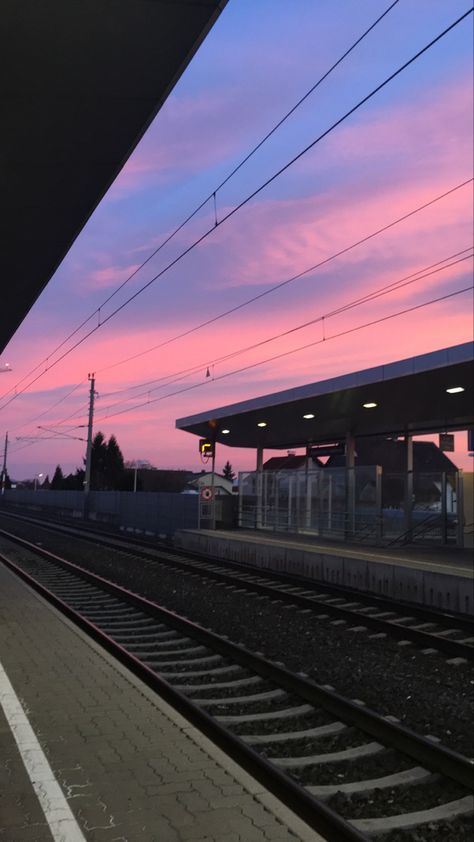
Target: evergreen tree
(46,485)
(74,482)
(115,470)
(98,463)
(228,473)
(58,479)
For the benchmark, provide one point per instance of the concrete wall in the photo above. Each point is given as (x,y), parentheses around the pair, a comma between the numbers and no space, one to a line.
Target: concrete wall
(159,512)
(424,587)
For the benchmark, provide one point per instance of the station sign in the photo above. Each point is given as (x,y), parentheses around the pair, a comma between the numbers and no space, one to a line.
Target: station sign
(446,442)
(206,447)
(335,449)
(207,493)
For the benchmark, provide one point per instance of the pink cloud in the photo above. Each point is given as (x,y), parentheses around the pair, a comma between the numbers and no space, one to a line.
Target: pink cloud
(109,276)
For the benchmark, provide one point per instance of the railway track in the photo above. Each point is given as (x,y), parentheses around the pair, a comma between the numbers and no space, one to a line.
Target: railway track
(349,772)
(431,631)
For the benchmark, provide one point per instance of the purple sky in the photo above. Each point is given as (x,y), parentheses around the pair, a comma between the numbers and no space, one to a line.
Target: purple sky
(409,144)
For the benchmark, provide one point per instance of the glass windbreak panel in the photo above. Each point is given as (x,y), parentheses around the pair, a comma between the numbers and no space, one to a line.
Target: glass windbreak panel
(248,499)
(367,495)
(425,514)
(332,502)
(393,505)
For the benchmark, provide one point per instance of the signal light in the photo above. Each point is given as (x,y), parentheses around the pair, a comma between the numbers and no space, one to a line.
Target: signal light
(206,447)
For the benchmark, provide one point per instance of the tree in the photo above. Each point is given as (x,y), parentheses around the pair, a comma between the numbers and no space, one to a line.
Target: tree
(228,473)
(114,469)
(74,482)
(98,462)
(107,466)
(58,479)
(46,485)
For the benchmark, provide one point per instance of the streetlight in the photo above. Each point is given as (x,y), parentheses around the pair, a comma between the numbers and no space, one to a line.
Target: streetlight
(4,367)
(37,477)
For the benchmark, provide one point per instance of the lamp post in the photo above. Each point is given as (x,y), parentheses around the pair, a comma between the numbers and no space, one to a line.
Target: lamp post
(4,367)
(37,477)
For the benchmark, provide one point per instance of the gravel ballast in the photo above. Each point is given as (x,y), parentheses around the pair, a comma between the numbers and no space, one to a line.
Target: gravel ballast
(423,691)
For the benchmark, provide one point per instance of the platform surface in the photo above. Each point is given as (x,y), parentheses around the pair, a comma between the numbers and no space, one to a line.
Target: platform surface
(128,767)
(451,560)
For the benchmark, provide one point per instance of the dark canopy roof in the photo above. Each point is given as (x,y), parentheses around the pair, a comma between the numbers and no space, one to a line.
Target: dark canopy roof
(81,81)
(391,455)
(410,394)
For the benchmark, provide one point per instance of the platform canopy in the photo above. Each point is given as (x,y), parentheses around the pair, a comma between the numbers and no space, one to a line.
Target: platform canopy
(411,397)
(81,81)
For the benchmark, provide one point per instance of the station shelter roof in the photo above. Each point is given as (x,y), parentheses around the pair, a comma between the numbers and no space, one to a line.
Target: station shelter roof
(81,82)
(409,396)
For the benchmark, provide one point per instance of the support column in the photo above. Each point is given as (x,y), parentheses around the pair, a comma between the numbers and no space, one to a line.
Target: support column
(444,508)
(460,518)
(378,505)
(4,469)
(307,517)
(213,487)
(259,484)
(408,488)
(87,479)
(350,480)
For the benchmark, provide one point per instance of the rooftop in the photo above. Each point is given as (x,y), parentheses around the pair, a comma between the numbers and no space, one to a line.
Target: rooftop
(81,83)
(405,397)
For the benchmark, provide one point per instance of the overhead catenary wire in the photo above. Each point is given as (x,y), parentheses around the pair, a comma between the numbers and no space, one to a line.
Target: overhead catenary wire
(283,354)
(174,377)
(395,286)
(54,405)
(290,280)
(245,201)
(212,195)
(292,351)
(286,282)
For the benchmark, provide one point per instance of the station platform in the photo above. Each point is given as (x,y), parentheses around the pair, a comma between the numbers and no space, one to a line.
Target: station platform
(89,754)
(440,577)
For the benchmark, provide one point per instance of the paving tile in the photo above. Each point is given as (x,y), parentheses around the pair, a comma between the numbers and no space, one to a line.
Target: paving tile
(129,773)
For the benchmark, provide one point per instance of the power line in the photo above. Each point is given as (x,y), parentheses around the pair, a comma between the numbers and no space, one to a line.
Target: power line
(245,201)
(53,406)
(288,281)
(174,377)
(212,196)
(285,354)
(421,274)
(292,351)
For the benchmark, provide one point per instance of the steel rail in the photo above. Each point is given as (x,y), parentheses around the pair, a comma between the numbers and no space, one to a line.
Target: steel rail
(435,757)
(313,811)
(421,638)
(463,621)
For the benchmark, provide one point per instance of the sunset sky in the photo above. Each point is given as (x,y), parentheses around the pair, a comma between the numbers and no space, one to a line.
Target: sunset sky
(409,144)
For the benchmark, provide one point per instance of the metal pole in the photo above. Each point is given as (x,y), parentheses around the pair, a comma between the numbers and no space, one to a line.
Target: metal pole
(307,518)
(259,489)
(444,508)
(135,479)
(87,480)
(460,508)
(4,469)
(350,479)
(213,488)
(378,505)
(409,487)
(241,498)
